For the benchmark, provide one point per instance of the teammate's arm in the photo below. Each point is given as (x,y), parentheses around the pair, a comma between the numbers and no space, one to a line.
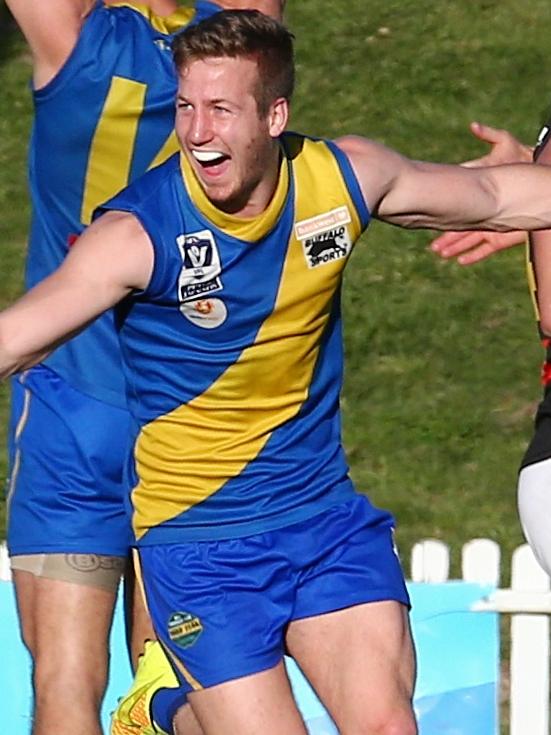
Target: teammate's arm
(417,194)
(113,257)
(51,28)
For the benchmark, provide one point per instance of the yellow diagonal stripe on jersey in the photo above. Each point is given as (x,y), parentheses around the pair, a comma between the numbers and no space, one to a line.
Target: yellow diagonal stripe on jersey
(185,456)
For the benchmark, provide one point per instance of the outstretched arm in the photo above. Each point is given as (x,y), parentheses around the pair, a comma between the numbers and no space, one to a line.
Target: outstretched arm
(417,194)
(51,28)
(476,245)
(112,257)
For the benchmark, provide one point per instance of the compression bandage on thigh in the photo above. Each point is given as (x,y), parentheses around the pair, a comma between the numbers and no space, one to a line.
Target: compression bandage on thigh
(91,570)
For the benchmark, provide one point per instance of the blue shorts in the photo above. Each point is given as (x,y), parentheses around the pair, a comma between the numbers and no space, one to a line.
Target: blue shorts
(67,452)
(221,608)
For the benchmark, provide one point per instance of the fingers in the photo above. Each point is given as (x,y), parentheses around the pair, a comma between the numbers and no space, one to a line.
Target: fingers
(474,246)
(488,134)
(451,244)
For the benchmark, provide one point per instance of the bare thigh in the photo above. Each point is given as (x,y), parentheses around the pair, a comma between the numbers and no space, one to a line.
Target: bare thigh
(260,703)
(67,621)
(361,662)
(66,628)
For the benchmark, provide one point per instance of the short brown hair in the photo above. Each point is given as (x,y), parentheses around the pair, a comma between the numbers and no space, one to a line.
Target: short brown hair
(243,33)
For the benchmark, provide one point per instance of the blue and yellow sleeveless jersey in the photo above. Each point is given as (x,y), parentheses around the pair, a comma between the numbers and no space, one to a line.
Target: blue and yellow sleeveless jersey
(234,351)
(104,120)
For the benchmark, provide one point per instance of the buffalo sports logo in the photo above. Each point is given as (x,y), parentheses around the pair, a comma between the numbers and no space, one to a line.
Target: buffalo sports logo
(325,238)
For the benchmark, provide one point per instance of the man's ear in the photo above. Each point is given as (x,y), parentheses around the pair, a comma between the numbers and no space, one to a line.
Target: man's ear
(278,117)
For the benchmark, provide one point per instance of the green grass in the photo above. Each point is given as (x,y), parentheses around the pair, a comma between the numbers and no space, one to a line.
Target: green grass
(442,362)
(15,114)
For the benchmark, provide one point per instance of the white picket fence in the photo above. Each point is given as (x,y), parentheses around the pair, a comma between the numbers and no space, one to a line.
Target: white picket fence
(527,601)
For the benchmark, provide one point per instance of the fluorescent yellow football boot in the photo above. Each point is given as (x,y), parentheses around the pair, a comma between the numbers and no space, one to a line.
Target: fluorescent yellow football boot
(133,714)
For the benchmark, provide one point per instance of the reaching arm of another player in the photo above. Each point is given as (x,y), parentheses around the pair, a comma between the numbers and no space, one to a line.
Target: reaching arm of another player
(476,245)
(417,194)
(505,147)
(111,259)
(52,28)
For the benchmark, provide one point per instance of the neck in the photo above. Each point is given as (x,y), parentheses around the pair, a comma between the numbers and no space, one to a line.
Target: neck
(258,198)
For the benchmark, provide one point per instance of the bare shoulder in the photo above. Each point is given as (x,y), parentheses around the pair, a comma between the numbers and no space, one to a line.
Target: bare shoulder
(356,145)
(120,228)
(375,165)
(115,247)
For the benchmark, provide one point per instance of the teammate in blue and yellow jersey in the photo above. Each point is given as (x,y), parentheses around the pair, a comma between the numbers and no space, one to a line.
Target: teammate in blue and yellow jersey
(103,93)
(225,264)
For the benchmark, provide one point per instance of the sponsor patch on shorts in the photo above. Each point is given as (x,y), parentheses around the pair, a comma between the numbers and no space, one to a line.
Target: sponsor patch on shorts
(184,628)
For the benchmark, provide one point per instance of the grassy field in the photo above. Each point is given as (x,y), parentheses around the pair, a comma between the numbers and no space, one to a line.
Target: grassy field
(442,371)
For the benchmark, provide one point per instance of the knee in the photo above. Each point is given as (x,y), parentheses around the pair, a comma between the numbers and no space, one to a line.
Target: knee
(391,723)
(59,677)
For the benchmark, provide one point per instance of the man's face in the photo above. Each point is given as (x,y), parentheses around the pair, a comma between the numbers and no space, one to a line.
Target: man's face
(273,8)
(231,149)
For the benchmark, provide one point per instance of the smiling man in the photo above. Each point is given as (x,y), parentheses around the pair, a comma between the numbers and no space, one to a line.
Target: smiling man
(67,531)
(225,264)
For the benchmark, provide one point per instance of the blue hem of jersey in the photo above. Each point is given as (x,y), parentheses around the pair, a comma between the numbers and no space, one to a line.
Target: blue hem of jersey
(79,548)
(170,535)
(112,398)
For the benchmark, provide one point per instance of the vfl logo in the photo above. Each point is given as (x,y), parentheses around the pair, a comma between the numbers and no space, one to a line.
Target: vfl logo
(332,245)
(184,629)
(201,266)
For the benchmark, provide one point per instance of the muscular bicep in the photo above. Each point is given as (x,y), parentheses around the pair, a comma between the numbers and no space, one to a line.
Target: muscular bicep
(51,28)
(110,260)
(415,194)
(446,197)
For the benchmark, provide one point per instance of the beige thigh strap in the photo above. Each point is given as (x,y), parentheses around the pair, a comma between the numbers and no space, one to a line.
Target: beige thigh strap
(91,570)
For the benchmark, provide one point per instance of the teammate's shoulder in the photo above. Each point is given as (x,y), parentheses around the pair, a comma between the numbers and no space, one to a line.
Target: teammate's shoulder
(166,25)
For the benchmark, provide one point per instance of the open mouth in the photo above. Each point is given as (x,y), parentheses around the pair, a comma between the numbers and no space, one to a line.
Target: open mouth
(209,159)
